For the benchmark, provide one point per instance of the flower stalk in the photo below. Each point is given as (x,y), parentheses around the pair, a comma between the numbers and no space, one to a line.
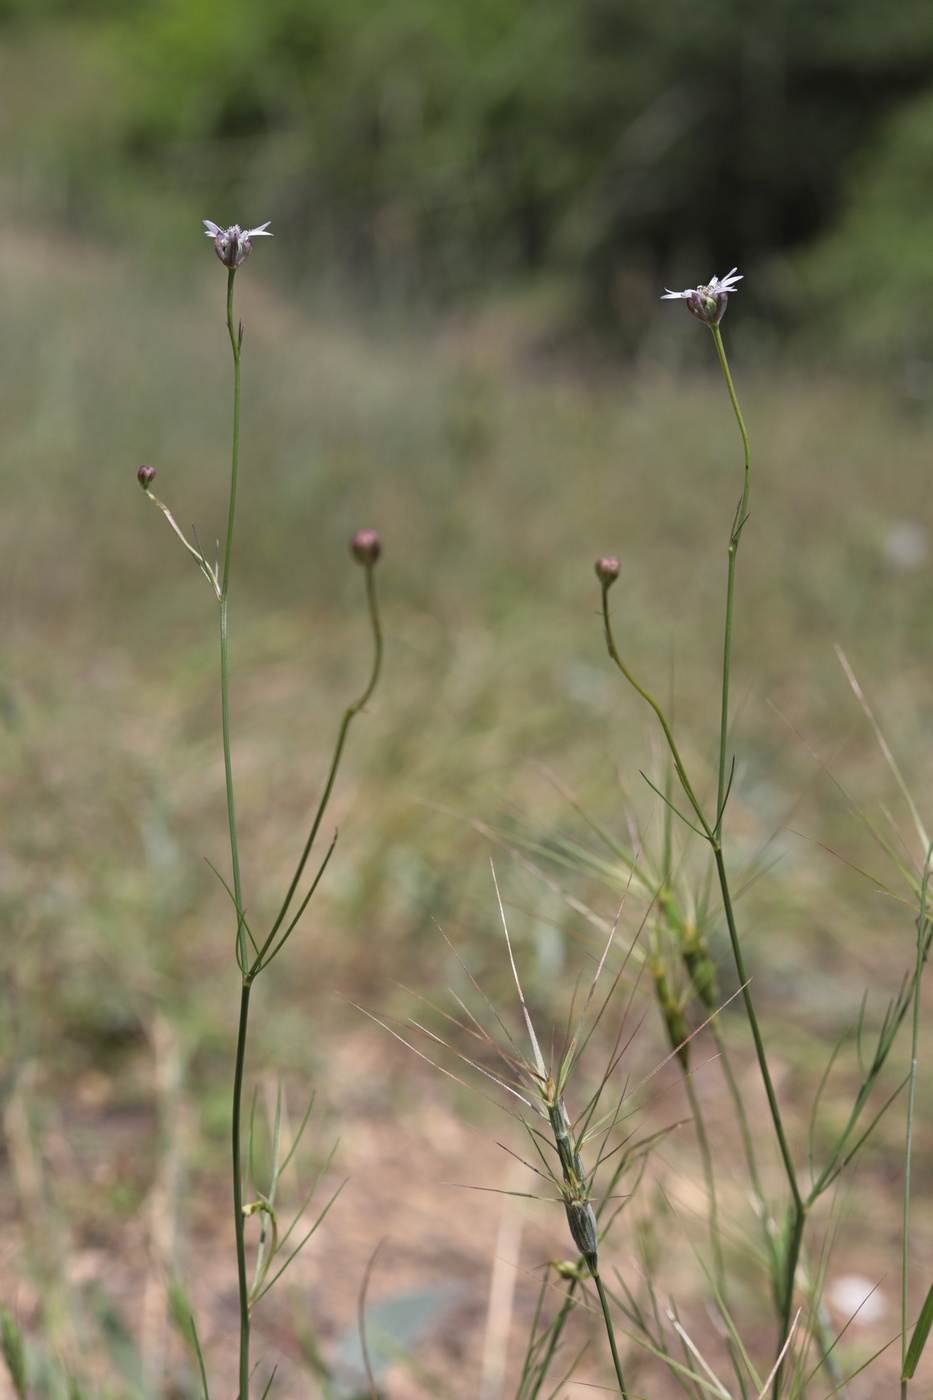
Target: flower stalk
(255,951)
(708,303)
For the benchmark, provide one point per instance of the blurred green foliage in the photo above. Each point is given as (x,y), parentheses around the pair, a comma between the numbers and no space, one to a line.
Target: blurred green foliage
(423,146)
(871,279)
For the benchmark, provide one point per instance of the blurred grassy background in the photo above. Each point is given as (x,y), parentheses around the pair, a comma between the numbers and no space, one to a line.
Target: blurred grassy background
(495,480)
(454,338)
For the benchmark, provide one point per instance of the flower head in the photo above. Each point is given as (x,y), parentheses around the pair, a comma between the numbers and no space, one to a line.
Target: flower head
(709,302)
(607,570)
(366,547)
(233,245)
(145,476)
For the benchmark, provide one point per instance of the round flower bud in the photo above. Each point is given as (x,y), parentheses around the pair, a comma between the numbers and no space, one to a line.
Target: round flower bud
(145,476)
(607,570)
(366,547)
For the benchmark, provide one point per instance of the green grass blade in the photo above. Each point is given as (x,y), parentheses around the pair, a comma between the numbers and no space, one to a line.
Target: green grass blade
(919,1339)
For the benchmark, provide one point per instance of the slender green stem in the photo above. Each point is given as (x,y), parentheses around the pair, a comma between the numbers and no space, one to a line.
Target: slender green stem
(235,342)
(755,1028)
(241,954)
(557,1326)
(662,718)
(706,1157)
(798,1207)
(556,1331)
(712,830)
(737,526)
(911,1096)
(239,1220)
(236,339)
(748,1145)
(349,715)
(710,833)
(610,1333)
(791,1261)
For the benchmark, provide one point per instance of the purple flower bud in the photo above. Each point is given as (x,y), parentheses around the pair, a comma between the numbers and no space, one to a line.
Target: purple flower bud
(233,245)
(607,570)
(366,547)
(145,476)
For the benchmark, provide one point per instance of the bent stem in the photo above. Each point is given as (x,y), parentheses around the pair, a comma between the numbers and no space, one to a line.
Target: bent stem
(711,830)
(679,768)
(349,715)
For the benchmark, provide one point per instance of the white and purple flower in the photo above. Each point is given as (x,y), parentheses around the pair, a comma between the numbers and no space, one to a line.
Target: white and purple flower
(234,245)
(709,302)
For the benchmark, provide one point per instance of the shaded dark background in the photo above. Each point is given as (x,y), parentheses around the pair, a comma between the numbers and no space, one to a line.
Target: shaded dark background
(424,150)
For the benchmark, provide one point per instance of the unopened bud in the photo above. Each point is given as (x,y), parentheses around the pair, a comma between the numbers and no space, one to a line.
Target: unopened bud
(566,1268)
(581,1218)
(607,570)
(145,476)
(366,547)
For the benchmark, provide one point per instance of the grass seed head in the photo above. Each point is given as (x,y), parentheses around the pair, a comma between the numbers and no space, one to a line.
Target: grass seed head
(700,967)
(678,1029)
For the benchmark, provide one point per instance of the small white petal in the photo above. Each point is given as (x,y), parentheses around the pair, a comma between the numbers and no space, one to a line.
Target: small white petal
(669,295)
(252,232)
(211,229)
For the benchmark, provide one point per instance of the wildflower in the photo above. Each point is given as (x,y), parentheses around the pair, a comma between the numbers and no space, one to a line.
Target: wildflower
(145,476)
(233,245)
(708,303)
(607,570)
(366,547)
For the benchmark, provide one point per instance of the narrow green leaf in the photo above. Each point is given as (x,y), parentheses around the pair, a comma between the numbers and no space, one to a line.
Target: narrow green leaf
(14,1353)
(919,1340)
